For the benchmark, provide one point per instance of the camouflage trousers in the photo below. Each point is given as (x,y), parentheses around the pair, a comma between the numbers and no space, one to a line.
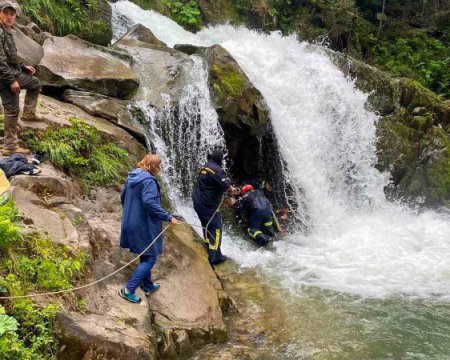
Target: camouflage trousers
(11,107)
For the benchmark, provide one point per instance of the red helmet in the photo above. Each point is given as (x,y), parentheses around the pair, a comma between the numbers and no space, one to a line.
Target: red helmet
(247,188)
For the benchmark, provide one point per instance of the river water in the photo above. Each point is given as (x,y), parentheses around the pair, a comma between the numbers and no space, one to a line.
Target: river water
(368,278)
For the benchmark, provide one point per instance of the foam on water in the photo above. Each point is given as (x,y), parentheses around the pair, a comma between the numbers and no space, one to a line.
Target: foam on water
(356,241)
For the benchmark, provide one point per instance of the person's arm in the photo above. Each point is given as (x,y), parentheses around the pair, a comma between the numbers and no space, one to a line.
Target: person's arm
(123,194)
(6,76)
(220,179)
(151,200)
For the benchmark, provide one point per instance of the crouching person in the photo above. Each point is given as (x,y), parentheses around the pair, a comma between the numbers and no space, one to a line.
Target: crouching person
(259,212)
(142,223)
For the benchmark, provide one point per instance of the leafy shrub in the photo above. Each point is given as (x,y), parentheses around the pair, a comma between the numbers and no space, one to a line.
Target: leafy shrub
(82,152)
(9,231)
(184,12)
(32,264)
(79,17)
(420,57)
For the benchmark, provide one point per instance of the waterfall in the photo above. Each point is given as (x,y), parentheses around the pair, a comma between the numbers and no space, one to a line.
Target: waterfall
(183,136)
(357,242)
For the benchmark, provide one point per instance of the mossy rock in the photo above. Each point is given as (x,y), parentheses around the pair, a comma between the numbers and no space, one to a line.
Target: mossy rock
(438,170)
(382,88)
(227,81)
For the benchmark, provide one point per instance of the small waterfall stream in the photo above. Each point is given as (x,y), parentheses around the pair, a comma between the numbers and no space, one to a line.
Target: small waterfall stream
(379,269)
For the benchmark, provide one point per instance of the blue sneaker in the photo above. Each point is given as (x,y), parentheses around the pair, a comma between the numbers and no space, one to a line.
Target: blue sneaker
(153,288)
(129,296)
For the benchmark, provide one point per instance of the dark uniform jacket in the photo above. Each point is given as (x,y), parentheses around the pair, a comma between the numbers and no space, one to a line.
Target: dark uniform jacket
(255,200)
(10,65)
(211,185)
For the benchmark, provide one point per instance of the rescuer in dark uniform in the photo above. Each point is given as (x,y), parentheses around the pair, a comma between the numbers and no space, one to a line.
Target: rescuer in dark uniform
(259,211)
(207,197)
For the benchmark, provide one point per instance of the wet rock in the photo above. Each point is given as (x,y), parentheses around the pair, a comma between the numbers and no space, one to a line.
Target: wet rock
(164,72)
(140,33)
(70,62)
(117,111)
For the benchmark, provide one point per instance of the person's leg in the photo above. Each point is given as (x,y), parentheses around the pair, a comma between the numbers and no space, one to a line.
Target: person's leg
(268,223)
(147,282)
(142,272)
(10,102)
(255,222)
(214,233)
(32,85)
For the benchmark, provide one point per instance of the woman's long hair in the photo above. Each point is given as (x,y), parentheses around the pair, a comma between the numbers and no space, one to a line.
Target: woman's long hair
(150,163)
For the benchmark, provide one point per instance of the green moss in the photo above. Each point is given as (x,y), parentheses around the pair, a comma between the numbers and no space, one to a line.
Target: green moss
(82,152)
(230,81)
(438,172)
(2,124)
(395,146)
(415,95)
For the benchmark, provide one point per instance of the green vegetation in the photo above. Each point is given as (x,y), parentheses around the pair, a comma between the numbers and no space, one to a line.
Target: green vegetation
(78,17)
(420,57)
(31,264)
(82,152)
(186,12)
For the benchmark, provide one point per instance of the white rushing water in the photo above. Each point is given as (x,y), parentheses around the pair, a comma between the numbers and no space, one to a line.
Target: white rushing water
(357,242)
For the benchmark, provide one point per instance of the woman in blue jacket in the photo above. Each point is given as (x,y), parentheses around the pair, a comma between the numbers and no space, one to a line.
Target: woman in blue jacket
(141,223)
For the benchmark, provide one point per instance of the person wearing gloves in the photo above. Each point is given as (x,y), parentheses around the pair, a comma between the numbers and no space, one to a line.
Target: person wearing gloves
(142,219)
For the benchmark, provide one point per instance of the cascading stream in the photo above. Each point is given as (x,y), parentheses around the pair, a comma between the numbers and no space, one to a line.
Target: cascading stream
(357,242)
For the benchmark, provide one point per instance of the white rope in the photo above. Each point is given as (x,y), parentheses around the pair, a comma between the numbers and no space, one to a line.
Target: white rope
(113,273)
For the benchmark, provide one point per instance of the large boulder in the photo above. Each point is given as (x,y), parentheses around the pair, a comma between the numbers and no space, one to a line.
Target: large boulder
(119,112)
(29,51)
(70,62)
(187,312)
(163,71)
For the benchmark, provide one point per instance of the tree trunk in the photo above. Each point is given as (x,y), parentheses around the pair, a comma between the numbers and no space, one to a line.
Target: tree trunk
(381,20)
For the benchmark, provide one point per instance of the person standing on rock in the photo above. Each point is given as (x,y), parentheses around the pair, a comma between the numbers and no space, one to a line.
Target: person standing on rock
(142,223)
(207,197)
(14,76)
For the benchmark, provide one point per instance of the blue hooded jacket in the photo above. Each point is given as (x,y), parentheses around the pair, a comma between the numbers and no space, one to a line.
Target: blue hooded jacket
(142,213)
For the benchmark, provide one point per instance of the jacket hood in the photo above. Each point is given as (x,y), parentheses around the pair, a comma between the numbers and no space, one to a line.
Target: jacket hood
(216,156)
(138,175)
